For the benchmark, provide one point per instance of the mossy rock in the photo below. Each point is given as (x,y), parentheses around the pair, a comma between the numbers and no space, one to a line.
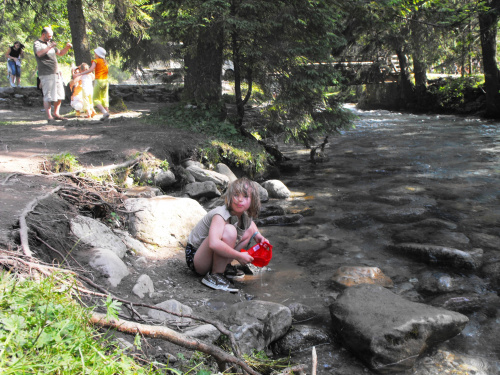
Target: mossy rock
(116,104)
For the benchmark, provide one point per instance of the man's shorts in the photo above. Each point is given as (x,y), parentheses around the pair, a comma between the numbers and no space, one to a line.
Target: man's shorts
(52,87)
(190,251)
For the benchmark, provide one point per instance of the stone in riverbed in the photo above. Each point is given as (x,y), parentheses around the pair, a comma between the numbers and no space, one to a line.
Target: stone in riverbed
(388,332)
(350,276)
(441,255)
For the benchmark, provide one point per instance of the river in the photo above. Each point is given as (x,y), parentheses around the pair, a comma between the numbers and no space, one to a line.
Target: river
(394,178)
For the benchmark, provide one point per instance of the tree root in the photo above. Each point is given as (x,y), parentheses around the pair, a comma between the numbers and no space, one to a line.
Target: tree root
(23,226)
(174,337)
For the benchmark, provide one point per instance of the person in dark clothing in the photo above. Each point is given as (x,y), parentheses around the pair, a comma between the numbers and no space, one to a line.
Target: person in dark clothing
(14,56)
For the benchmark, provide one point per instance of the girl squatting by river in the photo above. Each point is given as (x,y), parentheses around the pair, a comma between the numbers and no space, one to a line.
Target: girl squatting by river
(220,235)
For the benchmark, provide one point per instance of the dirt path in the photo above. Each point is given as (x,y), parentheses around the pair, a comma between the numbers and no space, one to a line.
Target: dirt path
(27,141)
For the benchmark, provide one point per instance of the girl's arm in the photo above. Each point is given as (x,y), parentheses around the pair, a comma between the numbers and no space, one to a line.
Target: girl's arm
(91,69)
(8,54)
(258,237)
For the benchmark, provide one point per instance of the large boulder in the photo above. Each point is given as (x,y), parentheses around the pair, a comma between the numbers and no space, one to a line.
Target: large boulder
(133,245)
(256,324)
(388,332)
(202,175)
(207,189)
(225,170)
(276,189)
(164,179)
(163,221)
(263,194)
(96,234)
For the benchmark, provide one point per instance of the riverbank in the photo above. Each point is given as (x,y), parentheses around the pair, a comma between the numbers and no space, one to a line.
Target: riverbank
(396,178)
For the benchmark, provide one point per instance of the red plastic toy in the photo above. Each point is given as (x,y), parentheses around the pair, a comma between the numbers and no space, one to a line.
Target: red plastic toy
(261,254)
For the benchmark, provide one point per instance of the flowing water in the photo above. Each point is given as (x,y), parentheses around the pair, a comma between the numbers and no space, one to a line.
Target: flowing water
(375,186)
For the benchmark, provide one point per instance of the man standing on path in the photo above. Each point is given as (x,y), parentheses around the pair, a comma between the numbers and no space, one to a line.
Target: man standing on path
(51,81)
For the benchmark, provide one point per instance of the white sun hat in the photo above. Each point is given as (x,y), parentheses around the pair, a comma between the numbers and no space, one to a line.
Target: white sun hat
(101,52)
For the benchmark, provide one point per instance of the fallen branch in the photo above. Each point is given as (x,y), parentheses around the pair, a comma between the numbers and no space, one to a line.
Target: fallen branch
(23,226)
(177,338)
(101,170)
(222,329)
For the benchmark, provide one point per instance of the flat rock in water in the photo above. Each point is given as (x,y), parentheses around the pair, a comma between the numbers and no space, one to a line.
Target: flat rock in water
(388,332)
(441,255)
(279,220)
(300,337)
(350,276)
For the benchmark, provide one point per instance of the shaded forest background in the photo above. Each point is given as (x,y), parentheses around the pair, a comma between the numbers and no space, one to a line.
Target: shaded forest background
(282,53)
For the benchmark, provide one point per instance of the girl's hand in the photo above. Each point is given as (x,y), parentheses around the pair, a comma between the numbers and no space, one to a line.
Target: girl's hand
(260,238)
(244,258)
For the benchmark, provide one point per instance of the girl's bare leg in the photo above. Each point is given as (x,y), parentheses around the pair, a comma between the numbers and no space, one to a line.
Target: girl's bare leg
(206,259)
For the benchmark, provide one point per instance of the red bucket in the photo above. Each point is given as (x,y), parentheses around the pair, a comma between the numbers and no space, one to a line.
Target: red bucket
(261,254)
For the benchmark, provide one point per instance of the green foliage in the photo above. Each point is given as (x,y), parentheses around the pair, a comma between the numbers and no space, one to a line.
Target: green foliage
(44,331)
(64,162)
(224,143)
(450,92)
(244,155)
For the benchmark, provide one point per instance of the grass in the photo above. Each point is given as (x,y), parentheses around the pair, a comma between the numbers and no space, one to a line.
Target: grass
(43,330)
(64,162)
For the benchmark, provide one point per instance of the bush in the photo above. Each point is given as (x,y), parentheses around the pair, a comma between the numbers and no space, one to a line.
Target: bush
(451,93)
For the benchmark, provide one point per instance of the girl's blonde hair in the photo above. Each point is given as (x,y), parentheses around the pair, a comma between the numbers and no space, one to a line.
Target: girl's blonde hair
(244,186)
(83,67)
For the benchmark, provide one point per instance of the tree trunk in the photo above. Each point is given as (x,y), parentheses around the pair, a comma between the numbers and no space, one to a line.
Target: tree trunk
(203,62)
(419,63)
(488,30)
(407,93)
(78,32)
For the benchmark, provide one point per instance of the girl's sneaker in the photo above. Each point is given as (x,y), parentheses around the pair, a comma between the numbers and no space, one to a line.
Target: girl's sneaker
(232,272)
(219,282)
